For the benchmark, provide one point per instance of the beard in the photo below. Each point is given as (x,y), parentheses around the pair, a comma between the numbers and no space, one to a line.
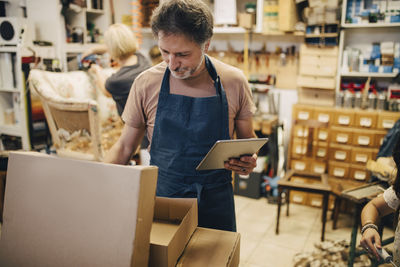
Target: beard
(186,72)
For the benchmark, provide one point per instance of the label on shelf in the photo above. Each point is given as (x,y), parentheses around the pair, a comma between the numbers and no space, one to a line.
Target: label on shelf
(340,155)
(361,158)
(338,172)
(321,152)
(342,138)
(344,120)
(303,115)
(388,124)
(319,169)
(323,117)
(363,140)
(366,122)
(299,166)
(323,135)
(360,175)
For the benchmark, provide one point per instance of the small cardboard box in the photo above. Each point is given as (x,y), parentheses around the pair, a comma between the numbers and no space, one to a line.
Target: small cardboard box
(209,247)
(175,220)
(65,212)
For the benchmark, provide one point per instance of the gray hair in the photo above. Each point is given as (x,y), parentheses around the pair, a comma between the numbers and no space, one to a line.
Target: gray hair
(191,18)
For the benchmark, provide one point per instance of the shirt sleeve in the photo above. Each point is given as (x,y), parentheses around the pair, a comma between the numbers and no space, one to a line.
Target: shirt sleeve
(133,114)
(391,198)
(247,107)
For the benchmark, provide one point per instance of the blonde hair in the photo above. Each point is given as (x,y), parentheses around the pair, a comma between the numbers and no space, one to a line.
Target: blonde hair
(120,41)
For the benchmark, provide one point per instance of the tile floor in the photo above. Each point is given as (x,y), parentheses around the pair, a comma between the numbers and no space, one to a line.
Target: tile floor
(261,247)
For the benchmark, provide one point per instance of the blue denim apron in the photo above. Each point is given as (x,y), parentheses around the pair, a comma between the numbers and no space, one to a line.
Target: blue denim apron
(185,129)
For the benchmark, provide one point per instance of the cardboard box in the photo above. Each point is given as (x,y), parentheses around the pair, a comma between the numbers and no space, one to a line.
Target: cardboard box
(65,212)
(209,247)
(175,220)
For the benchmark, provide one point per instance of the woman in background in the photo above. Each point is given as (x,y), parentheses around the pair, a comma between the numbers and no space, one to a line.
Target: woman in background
(121,44)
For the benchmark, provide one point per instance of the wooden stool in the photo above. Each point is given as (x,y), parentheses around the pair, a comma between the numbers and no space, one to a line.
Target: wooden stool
(322,187)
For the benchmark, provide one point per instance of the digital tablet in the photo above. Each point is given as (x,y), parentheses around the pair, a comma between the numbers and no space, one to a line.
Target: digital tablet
(223,150)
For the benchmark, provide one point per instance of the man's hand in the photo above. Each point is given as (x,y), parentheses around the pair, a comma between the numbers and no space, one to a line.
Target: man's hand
(244,165)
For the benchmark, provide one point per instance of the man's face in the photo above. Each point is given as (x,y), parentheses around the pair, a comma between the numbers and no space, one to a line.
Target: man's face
(183,56)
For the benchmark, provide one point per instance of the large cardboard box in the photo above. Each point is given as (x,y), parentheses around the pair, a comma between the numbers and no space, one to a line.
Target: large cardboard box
(65,212)
(209,247)
(175,220)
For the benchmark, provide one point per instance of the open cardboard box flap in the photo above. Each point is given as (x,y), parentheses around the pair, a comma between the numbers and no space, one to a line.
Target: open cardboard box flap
(65,212)
(175,220)
(209,247)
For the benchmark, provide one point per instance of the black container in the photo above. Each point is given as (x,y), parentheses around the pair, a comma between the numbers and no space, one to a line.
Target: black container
(248,186)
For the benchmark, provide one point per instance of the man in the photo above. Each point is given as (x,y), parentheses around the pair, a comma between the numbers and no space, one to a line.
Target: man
(187,103)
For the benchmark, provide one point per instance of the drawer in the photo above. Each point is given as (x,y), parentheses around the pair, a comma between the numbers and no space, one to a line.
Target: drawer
(386,119)
(318,167)
(361,155)
(302,112)
(341,135)
(298,197)
(300,165)
(314,200)
(323,115)
(379,136)
(316,65)
(338,169)
(364,138)
(366,119)
(320,150)
(343,117)
(321,134)
(319,51)
(359,173)
(316,82)
(339,152)
(299,147)
(300,131)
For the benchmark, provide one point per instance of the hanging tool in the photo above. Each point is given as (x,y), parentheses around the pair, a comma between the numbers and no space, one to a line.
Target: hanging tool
(386,257)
